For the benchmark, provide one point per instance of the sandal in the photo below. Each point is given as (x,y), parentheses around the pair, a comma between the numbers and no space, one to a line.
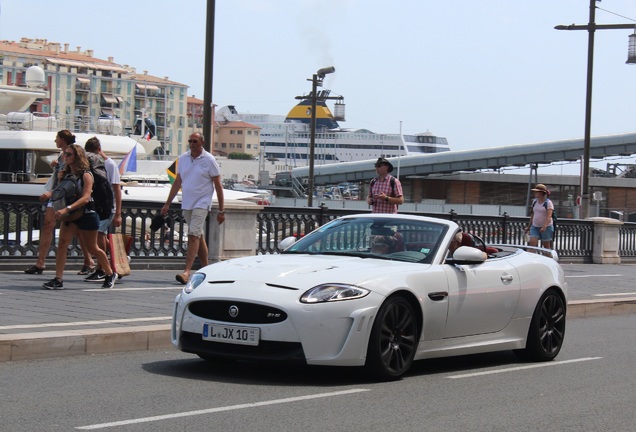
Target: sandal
(181,278)
(34,270)
(86,270)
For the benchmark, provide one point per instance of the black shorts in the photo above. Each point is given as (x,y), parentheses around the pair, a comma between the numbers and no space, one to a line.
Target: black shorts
(88,222)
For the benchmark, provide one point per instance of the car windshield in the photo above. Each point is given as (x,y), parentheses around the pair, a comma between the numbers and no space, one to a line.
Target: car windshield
(380,238)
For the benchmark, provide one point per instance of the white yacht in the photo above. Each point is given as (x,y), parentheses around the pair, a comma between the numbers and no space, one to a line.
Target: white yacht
(27,146)
(27,139)
(287,139)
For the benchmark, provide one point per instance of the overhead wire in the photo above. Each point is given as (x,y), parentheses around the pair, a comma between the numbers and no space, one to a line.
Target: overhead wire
(614,13)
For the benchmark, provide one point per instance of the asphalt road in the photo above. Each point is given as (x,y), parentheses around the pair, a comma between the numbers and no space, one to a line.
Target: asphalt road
(595,281)
(589,387)
(84,319)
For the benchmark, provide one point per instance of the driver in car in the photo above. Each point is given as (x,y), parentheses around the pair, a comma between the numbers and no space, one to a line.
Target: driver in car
(382,244)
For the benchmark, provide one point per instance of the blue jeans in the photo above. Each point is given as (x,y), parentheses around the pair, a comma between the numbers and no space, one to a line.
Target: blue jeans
(104,224)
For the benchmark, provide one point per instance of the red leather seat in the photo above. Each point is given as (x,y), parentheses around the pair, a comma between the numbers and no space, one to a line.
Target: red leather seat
(468,240)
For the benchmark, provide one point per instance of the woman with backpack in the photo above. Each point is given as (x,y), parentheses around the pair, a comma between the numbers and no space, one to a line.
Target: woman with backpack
(63,139)
(540,225)
(78,215)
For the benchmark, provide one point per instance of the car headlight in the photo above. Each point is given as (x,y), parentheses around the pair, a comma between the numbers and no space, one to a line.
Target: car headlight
(194,281)
(333,292)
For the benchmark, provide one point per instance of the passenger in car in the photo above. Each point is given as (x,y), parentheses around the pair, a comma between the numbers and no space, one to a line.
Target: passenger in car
(463,239)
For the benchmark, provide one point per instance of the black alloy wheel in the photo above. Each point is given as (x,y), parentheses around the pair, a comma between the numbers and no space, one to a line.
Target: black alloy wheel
(393,340)
(547,329)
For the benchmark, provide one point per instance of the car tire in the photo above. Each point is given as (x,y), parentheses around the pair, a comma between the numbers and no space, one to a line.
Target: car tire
(393,340)
(547,329)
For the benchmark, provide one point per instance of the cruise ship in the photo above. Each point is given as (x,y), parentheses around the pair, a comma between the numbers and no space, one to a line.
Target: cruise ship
(286,139)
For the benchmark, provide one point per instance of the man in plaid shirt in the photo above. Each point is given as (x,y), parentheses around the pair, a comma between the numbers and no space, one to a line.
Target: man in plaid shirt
(385,191)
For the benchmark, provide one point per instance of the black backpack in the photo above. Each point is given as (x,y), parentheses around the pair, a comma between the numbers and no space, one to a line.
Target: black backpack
(67,191)
(103,197)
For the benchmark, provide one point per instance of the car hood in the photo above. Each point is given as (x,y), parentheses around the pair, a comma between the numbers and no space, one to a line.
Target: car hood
(304,271)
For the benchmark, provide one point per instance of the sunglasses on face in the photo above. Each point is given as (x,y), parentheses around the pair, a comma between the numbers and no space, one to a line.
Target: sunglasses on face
(193,141)
(69,154)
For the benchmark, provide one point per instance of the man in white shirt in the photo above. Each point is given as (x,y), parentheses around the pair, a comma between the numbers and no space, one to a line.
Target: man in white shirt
(198,177)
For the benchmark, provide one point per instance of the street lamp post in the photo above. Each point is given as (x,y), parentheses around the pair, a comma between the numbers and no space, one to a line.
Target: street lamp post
(316,81)
(585,186)
(312,142)
(208,121)
(591,27)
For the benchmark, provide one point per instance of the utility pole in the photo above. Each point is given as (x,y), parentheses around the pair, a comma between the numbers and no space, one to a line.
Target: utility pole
(591,27)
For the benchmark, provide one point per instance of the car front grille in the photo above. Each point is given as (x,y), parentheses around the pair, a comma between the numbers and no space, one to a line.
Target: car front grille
(236,312)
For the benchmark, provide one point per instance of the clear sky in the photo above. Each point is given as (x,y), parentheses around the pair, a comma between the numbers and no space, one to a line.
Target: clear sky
(481,73)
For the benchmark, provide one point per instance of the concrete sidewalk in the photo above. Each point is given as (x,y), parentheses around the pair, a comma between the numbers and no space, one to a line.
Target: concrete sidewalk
(135,315)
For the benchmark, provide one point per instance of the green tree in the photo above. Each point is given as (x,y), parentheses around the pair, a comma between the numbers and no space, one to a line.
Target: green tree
(243,156)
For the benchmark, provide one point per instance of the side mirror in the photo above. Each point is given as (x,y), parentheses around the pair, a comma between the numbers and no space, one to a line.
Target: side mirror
(469,255)
(286,242)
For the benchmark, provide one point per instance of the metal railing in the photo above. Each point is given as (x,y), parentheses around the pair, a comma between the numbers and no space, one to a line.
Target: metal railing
(21,219)
(54,122)
(573,238)
(627,243)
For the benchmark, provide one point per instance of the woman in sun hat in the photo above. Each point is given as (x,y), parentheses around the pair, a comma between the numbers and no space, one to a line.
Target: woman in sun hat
(540,225)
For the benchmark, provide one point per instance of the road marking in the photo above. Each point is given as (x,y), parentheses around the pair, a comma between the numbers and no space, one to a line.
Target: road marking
(132,289)
(615,294)
(588,276)
(84,323)
(533,366)
(220,409)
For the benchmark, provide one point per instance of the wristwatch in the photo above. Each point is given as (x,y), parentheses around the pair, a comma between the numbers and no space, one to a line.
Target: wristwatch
(69,208)
(386,199)
(221,211)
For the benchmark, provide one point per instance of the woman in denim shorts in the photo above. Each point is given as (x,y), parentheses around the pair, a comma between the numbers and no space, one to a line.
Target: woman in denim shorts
(77,163)
(540,225)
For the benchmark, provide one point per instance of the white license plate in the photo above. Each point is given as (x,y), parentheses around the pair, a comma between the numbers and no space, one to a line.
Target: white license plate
(231,334)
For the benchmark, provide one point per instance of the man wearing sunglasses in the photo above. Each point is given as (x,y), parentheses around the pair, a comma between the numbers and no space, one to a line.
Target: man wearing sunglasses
(198,176)
(385,191)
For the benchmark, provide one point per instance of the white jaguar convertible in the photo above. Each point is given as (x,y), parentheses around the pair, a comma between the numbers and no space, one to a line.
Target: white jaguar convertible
(379,291)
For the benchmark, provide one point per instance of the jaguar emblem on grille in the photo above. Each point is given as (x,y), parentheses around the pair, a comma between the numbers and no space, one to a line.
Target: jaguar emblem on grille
(233,311)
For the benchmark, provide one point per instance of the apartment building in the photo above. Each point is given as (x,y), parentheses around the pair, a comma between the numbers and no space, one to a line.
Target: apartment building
(229,136)
(83,88)
(236,137)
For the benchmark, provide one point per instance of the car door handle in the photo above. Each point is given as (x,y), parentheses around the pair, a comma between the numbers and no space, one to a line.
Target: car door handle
(438,296)
(506,278)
